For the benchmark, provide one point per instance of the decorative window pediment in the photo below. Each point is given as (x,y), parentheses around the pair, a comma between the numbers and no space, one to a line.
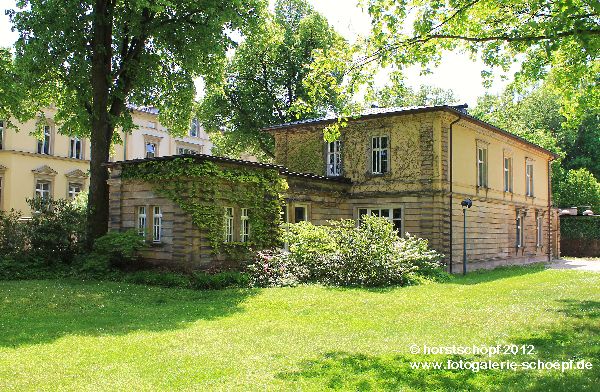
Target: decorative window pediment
(77,173)
(45,170)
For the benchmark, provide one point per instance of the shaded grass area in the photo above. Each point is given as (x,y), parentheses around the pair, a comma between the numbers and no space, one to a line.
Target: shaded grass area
(71,335)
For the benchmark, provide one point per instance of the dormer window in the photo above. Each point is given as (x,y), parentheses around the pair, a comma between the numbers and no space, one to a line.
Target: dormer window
(379,154)
(334,159)
(194,127)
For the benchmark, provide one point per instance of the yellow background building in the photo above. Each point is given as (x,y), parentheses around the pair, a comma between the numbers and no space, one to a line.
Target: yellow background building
(57,165)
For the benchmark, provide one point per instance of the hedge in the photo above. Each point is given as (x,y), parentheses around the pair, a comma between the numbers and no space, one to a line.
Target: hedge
(580,227)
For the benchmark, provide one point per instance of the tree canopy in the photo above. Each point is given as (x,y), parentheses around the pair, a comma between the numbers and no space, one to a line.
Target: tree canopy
(264,81)
(93,59)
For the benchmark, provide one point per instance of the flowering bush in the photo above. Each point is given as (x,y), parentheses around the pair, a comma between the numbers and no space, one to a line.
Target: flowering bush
(343,254)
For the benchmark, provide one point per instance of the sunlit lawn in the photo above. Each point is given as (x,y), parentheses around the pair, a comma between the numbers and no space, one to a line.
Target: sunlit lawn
(68,335)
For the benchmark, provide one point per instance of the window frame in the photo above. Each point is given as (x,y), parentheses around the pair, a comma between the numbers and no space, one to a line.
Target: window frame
(75,140)
(377,154)
(157,227)
(303,206)
(194,124)
(228,225)
(40,192)
(482,166)
(390,208)
(72,195)
(520,230)
(142,217)
(333,169)
(44,147)
(529,179)
(508,174)
(1,134)
(539,232)
(244,224)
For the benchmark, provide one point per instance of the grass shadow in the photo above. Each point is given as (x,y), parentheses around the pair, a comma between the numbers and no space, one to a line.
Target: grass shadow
(35,312)
(504,272)
(577,339)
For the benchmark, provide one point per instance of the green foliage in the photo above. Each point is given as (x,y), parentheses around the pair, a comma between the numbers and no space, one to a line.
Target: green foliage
(197,280)
(56,230)
(580,228)
(578,188)
(342,254)
(218,281)
(263,83)
(121,247)
(203,189)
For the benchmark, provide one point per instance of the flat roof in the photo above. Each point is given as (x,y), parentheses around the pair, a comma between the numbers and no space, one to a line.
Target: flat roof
(372,113)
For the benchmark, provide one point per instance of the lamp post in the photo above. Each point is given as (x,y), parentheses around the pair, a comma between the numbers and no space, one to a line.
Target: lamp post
(467,203)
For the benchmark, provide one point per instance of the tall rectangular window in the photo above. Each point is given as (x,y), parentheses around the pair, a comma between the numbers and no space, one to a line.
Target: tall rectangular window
(141,221)
(508,187)
(186,150)
(529,179)
(150,150)
(519,231)
(194,127)
(244,225)
(334,159)
(43,146)
(379,154)
(75,148)
(42,190)
(394,215)
(1,134)
(156,224)
(539,230)
(482,165)
(228,235)
(74,190)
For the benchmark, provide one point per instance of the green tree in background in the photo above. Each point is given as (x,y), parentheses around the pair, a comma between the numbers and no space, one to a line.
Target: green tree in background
(263,83)
(578,188)
(94,58)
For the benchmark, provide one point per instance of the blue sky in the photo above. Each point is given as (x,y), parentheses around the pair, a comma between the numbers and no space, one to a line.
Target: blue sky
(457,71)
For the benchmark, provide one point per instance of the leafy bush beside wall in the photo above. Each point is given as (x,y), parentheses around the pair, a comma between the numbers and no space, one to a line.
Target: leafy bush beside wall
(343,254)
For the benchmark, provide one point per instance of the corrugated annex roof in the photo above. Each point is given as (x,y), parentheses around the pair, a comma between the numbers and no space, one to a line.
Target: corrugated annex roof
(203,157)
(371,113)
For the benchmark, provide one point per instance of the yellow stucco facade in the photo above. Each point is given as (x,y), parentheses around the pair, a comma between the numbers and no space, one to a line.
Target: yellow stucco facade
(60,165)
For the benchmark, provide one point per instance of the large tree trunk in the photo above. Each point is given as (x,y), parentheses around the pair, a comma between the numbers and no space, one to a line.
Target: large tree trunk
(102,127)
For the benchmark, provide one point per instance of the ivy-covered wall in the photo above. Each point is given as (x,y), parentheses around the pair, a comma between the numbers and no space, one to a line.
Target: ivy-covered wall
(580,236)
(202,189)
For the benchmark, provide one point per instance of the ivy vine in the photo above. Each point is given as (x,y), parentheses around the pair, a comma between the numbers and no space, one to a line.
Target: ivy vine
(203,189)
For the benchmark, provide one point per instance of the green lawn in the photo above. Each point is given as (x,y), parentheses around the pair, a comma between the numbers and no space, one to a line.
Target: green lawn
(68,335)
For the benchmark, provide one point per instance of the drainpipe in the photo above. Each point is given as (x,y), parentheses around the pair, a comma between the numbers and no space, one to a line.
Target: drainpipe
(451,194)
(550,210)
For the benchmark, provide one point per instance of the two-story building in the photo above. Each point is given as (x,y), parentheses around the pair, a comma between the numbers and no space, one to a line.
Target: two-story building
(412,166)
(56,164)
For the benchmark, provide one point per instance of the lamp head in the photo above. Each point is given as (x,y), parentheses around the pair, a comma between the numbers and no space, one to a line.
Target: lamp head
(467,203)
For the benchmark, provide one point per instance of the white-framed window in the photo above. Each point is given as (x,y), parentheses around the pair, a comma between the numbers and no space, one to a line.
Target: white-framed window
(519,227)
(300,213)
(42,189)
(1,134)
(508,186)
(228,226)
(156,224)
(539,232)
(334,159)
(393,214)
(151,124)
(482,167)
(194,127)
(379,154)
(186,150)
(150,150)
(529,179)
(75,148)
(43,145)
(244,225)
(141,221)
(74,190)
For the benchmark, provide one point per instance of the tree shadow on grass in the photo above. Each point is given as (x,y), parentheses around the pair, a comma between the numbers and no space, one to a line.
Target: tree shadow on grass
(577,339)
(35,312)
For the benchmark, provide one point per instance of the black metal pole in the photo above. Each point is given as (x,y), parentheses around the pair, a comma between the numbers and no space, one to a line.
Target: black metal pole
(464,241)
